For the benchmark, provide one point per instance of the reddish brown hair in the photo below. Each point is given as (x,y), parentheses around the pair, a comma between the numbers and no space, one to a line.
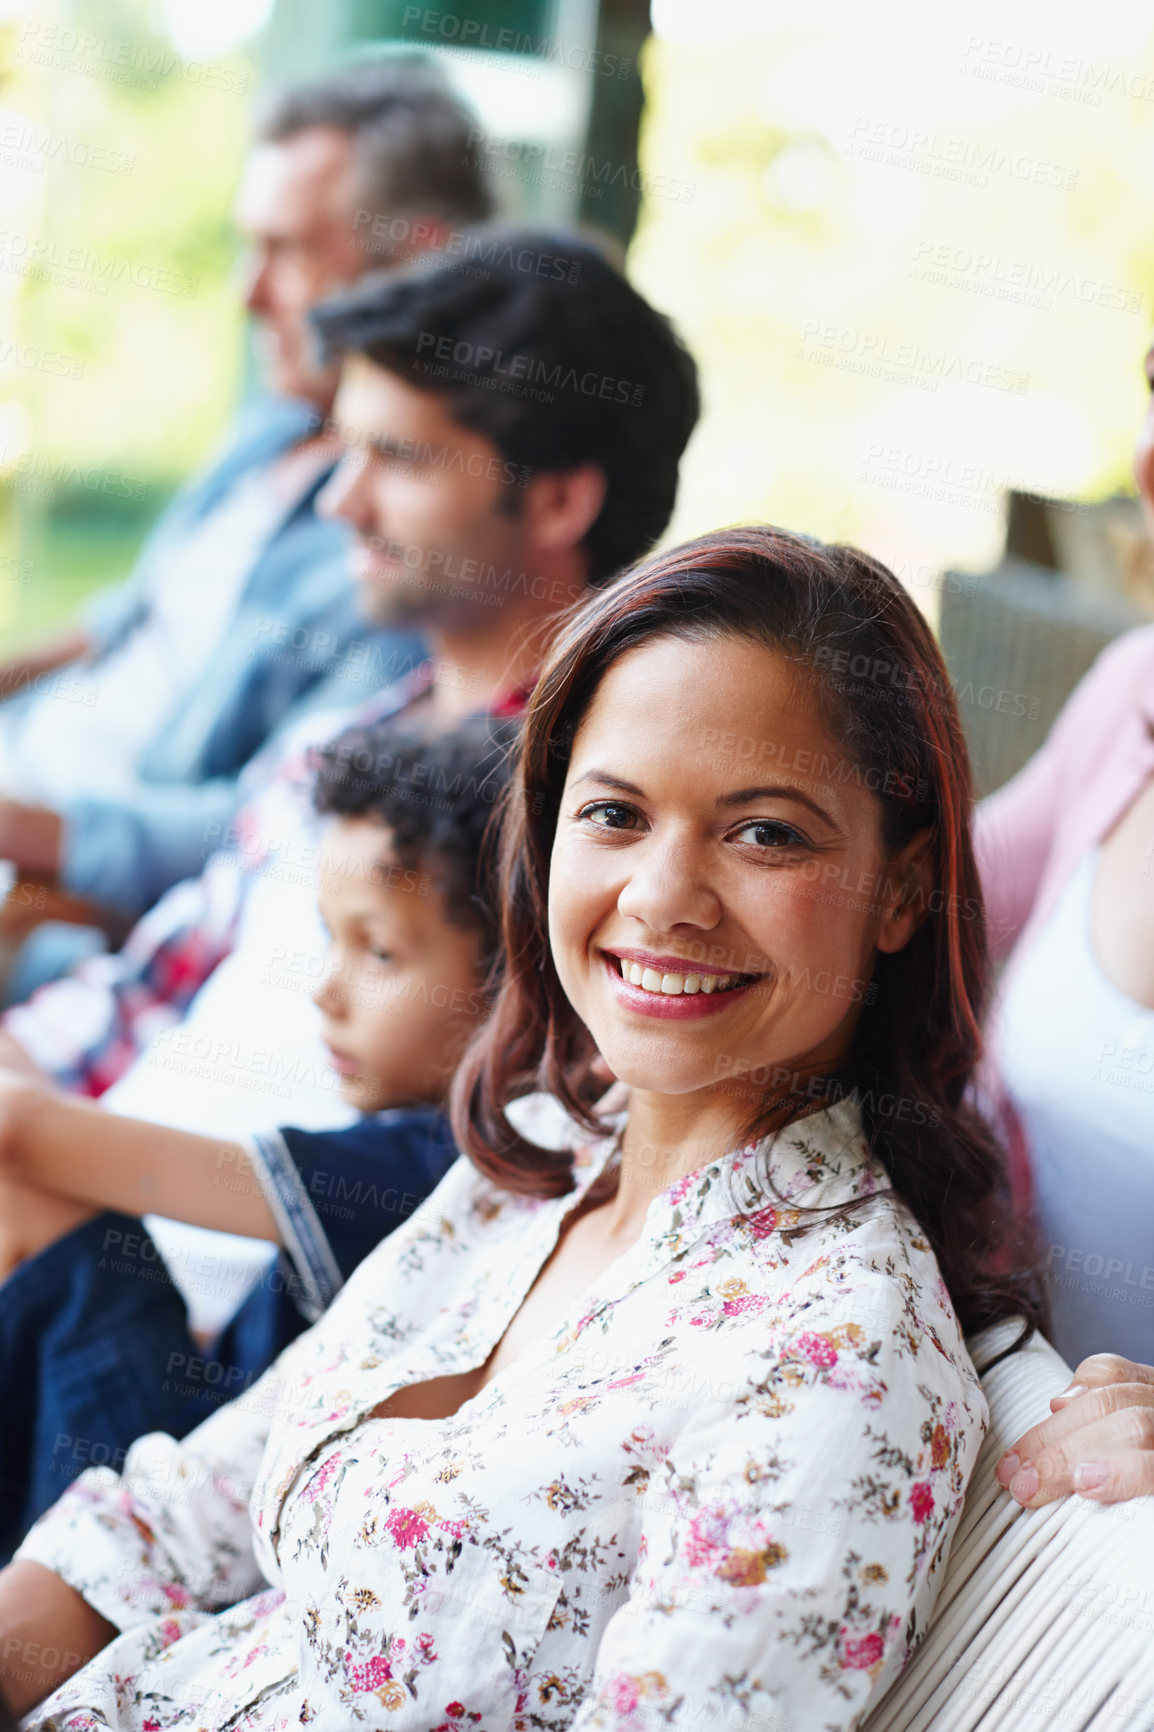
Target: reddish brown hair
(885,695)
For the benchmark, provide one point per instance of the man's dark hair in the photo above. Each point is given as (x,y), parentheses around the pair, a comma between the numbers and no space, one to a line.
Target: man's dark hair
(435,793)
(537,342)
(410,137)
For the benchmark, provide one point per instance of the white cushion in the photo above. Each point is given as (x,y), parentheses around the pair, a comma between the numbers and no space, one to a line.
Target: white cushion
(1045,1617)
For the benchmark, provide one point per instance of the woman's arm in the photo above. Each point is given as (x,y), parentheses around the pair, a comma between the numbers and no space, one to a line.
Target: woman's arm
(794,1537)
(1014,827)
(50,1631)
(73,1148)
(171,1532)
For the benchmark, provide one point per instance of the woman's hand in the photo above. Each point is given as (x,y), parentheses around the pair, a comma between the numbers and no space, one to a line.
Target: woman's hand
(1099,1440)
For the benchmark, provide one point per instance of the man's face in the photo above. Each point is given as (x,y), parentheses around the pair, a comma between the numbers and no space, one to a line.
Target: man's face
(295,208)
(436,510)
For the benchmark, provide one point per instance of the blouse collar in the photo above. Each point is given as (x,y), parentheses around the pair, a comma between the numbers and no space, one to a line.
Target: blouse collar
(820,1161)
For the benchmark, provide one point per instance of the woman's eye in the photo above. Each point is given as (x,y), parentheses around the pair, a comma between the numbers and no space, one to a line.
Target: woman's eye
(380,955)
(768,834)
(609,815)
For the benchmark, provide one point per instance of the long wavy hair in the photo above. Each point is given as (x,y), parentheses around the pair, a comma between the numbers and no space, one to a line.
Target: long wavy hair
(883,692)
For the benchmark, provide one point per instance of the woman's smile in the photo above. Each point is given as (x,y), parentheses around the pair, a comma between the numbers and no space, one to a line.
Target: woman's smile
(666,986)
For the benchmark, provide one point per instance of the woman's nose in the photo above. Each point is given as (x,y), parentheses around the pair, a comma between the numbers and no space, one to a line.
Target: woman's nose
(669,886)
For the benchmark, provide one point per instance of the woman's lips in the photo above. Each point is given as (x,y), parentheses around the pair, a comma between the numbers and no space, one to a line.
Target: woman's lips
(691,995)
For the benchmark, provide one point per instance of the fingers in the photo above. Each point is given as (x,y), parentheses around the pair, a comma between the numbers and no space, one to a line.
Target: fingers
(1117,1479)
(1100,1370)
(1111,1427)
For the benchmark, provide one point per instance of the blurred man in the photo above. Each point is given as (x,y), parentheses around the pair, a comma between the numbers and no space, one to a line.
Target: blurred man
(514,418)
(239,613)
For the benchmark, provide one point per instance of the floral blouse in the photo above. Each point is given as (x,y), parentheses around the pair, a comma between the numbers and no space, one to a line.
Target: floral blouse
(720,1493)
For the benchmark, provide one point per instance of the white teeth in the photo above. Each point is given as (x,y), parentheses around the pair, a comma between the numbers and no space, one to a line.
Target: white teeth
(674,985)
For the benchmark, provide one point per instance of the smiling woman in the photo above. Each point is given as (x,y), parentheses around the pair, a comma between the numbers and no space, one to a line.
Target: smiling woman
(744,826)
(655,1414)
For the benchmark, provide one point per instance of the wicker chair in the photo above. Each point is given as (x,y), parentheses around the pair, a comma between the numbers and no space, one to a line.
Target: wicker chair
(1046,1617)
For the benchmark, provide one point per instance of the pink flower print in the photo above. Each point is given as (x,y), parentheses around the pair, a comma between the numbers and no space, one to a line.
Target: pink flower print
(922,1501)
(455,1710)
(624,1694)
(818,1349)
(176,1596)
(678,1275)
(707,1537)
(320,1479)
(407,1528)
(170,1631)
(860,1653)
(371,1675)
(763,1223)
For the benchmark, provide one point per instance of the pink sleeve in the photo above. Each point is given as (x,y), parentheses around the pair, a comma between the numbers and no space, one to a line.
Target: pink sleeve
(1014,828)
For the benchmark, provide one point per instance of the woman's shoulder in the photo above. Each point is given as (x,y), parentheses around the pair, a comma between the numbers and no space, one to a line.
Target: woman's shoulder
(872,1269)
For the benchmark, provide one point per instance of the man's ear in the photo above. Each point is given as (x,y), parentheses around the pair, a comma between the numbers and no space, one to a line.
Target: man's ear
(561,507)
(908,884)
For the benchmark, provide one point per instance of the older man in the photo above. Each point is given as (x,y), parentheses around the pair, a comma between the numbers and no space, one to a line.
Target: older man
(239,613)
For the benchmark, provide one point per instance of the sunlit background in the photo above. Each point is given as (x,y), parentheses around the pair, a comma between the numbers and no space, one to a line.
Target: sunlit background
(911,247)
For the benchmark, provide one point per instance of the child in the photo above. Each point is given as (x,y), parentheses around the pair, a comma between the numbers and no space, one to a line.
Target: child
(94,1343)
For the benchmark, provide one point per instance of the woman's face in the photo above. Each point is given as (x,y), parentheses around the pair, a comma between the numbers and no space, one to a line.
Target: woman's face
(718,884)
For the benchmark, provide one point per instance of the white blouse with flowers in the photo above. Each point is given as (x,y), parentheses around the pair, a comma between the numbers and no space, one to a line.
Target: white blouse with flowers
(720,1493)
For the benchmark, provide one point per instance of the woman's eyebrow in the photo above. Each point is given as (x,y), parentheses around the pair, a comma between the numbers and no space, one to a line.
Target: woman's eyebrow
(778,791)
(607,781)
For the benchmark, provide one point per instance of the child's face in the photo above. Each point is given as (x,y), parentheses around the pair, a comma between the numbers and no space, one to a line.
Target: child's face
(403,992)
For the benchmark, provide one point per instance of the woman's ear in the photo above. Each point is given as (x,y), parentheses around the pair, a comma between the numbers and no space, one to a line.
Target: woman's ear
(561,507)
(909,881)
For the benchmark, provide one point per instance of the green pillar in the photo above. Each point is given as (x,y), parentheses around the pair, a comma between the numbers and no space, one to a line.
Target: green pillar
(615,116)
(304,38)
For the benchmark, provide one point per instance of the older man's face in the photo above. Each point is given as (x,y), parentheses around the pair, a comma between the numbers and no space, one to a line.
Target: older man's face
(295,208)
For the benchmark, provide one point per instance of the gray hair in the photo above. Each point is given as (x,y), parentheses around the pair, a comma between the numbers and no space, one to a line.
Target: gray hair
(410,136)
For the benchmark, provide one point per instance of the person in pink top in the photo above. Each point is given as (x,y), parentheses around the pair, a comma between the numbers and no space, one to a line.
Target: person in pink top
(1066,855)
